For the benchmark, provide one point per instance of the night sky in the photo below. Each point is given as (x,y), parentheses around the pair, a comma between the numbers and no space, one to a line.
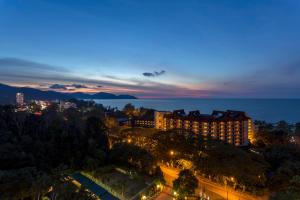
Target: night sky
(153,48)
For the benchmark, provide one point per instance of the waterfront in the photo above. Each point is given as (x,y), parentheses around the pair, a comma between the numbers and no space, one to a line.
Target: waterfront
(270,110)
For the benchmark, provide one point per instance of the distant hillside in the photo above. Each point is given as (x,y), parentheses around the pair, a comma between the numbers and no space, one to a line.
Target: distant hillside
(100,95)
(8,94)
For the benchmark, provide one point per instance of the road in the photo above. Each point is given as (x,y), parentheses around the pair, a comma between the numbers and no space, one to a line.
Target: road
(166,194)
(214,190)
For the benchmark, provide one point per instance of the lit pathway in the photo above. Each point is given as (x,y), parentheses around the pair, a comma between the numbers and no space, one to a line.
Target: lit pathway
(166,194)
(170,174)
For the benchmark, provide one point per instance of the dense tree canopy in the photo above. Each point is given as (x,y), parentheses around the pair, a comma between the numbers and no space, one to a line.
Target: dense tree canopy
(232,165)
(32,146)
(186,184)
(128,154)
(283,155)
(176,144)
(129,109)
(36,149)
(290,192)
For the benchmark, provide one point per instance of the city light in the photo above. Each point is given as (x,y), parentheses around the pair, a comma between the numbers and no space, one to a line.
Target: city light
(150,100)
(172,153)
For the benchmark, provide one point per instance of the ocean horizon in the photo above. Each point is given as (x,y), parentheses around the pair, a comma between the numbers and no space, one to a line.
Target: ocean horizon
(270,110)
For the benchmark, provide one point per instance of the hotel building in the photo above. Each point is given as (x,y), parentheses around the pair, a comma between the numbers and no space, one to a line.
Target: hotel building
(233,127)
(144,121)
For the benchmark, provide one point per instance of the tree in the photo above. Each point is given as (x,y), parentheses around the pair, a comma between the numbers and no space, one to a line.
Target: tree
(67,190)
(95,129)
(159,177)
(129,109)
(223,160)
(277,137)
(284,126)
(134,156)
(291,192)
(282,156)
(32,146)
(19,184)
(183,143)
(92,162)
(186,184)
(297,128)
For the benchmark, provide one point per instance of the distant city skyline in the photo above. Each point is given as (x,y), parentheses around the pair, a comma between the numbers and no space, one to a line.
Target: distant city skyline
(153,49)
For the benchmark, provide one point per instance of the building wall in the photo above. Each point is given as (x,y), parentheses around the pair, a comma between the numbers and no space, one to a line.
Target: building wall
(250,130)
(159,120)
(144,123)
(233,132)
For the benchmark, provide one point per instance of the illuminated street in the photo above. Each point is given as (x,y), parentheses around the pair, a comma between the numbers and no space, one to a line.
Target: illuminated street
(166,194)
(171,174)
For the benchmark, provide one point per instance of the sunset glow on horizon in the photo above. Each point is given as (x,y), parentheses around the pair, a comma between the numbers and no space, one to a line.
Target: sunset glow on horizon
(153,49)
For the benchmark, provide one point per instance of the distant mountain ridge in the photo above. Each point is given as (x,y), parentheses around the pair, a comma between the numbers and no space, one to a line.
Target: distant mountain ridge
(8,94)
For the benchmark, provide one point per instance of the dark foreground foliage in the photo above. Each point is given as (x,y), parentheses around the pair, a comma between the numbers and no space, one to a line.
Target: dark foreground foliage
(35,150)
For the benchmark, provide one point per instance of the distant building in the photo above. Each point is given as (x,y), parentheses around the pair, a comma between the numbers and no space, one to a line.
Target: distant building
(43,104)
(159,119)
(233,127)
(145,121)
(63,105)
(20,99)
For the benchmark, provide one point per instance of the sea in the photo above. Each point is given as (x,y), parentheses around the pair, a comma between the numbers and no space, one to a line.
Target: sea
(269,110)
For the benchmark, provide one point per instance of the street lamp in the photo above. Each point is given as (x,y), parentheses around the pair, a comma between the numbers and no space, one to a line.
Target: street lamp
(171,153)
(144,197)
(159,187)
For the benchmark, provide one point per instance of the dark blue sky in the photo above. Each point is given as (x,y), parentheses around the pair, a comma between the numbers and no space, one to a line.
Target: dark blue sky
(203,48)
